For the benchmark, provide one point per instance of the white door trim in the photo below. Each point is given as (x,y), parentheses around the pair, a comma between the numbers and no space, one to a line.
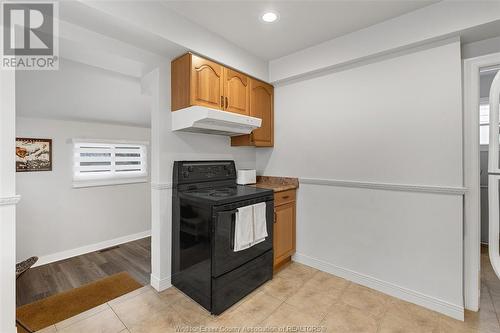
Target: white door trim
(472,213)
(8,199)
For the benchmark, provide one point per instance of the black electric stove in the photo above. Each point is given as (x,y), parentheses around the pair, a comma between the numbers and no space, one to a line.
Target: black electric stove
(204,265)
(225,194)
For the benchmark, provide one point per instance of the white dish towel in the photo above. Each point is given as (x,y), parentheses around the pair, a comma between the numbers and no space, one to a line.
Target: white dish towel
(250,226)
(243,228)
(259,222)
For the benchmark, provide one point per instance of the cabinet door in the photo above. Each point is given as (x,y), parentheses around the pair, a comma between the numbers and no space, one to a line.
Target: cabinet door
(207,84)
(236,92)
(261,106)
(284,232)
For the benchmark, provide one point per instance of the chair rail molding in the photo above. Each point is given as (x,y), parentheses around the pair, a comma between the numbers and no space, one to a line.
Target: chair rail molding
(161,186)
(386,186)
(9,201)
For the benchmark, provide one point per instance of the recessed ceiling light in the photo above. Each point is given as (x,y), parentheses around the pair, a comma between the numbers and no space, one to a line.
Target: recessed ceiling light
(269,17)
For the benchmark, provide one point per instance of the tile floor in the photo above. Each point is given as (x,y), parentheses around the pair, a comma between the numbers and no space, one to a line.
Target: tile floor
(297,296)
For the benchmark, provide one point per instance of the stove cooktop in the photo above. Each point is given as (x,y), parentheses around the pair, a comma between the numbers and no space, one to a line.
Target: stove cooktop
(222,195)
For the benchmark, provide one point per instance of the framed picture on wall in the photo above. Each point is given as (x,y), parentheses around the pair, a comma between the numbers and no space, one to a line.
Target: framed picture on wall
(33,154)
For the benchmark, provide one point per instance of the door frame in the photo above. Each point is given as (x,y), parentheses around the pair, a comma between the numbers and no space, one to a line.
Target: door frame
(8,201)
(472,208)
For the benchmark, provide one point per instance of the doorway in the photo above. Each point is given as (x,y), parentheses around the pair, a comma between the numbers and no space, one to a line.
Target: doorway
(86,215)
(481,284)
(490,282)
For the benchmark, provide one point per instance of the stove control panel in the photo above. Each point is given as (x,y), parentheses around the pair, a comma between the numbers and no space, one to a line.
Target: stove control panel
(196,171)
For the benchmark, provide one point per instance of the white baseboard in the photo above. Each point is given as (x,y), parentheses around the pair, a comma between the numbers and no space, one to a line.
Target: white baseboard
(446,308)
(90,248)
(160,284)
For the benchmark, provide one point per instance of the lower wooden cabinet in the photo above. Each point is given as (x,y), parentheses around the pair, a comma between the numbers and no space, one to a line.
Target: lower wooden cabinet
(284,229)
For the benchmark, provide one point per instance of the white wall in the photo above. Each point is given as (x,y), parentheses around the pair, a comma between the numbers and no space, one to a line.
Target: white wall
(393,122)
(53,217)
(357,120)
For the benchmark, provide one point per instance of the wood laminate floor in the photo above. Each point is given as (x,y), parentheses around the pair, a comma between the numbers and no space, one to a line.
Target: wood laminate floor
(43,281)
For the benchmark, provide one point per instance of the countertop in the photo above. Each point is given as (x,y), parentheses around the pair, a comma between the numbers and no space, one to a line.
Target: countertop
(277,184)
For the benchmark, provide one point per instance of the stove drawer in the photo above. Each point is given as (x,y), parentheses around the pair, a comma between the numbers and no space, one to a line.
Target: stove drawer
(229,288)
(224,259)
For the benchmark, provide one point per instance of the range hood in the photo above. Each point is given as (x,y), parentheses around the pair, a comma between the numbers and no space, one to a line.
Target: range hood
(200,119)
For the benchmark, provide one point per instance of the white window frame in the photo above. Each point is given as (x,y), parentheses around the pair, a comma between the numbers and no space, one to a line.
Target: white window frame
(484,101)
(113,178)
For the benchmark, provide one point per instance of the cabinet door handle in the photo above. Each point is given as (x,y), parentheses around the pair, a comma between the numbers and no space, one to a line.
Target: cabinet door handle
(275,218)
(226,102)
(285,197)
(222,102)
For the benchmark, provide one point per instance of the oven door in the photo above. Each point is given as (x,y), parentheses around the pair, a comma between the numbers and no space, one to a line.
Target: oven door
(224,259)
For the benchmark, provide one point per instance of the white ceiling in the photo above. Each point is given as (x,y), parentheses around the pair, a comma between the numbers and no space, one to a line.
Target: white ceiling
(301,23)
(83,15)
(101,95)
(82,93)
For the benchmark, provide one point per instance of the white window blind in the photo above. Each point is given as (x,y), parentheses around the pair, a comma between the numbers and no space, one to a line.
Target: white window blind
(116,162)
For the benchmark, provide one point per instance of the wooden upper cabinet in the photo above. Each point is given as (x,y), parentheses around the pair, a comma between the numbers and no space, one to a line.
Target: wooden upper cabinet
(199,81)
(196,81)
(207,83)
(236,92)
(180,85)
(261,106)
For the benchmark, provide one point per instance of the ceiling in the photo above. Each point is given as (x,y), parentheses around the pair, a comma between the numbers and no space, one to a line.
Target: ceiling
(301,23)
(79,13)
(94,95)
(94,40)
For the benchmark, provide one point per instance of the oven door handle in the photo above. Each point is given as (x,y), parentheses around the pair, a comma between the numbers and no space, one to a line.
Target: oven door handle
(233,225)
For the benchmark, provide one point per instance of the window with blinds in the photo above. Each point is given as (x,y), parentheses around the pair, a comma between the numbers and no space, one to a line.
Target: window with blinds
(109,161)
